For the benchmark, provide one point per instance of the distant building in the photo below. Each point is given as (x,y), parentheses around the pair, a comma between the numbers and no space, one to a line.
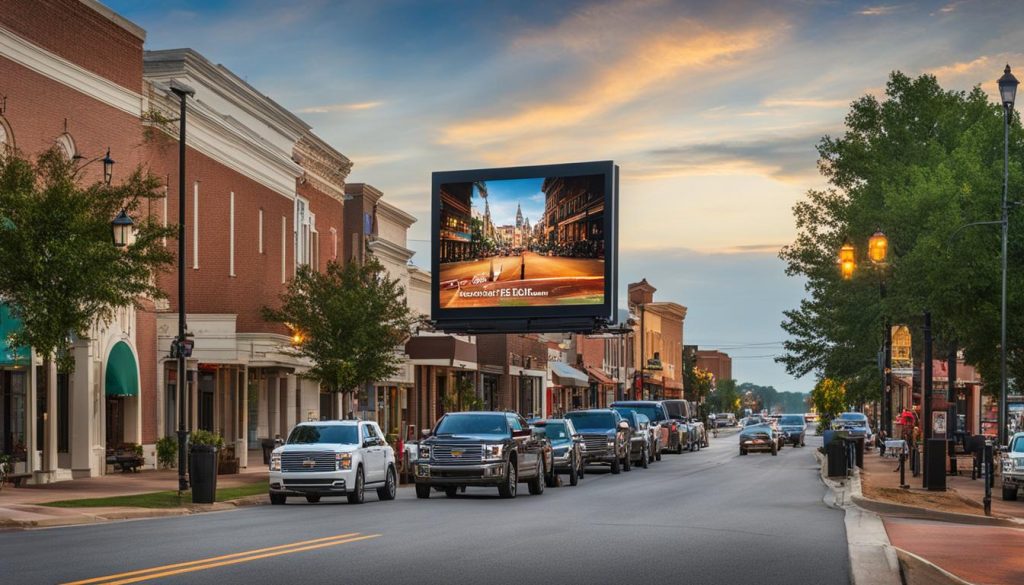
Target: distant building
(717,362)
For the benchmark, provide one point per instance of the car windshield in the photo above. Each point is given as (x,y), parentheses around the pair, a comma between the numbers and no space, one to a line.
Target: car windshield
(792,420)
(554,431)
(853,416)
(722,415)
(592,420)
(654,413)
(473,424)
(1018,445)
(310,434)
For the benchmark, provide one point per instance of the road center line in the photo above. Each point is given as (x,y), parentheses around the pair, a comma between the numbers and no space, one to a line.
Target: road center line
(300,543)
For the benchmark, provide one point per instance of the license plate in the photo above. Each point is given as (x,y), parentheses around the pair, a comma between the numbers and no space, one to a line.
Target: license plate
(759,441)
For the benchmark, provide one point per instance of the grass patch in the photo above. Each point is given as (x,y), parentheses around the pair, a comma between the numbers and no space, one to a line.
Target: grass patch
(158,499)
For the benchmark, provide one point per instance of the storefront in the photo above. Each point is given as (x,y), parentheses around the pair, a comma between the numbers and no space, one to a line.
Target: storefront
(568,389)
(602,388)
(121,393)
(438,363)
(14,383)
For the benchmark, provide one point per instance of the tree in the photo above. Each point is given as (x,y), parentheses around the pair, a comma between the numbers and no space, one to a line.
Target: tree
(724,397)
(829,399)
(59,269)
(917,164)
(347,320)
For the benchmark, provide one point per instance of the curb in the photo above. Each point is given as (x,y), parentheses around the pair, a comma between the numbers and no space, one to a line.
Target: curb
(873,559)
(915,512)
(921,571)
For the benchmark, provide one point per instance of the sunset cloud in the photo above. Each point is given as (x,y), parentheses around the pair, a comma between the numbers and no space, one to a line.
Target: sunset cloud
(339,108)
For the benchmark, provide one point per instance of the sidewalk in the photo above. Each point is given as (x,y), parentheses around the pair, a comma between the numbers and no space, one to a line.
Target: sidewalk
(20,507)
(947,530)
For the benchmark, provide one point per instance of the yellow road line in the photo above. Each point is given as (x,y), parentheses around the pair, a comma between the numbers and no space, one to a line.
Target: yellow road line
(211,559)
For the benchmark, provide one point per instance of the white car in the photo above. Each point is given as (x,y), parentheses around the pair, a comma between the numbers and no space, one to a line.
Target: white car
(333,458)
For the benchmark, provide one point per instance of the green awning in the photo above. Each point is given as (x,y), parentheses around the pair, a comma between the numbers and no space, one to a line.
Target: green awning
(11,356)
(122,372)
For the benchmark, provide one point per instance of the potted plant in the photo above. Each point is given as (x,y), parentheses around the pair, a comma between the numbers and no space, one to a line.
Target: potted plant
(202,465)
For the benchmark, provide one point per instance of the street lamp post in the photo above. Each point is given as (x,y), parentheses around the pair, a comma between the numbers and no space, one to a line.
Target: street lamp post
(1007,93)
(182,91)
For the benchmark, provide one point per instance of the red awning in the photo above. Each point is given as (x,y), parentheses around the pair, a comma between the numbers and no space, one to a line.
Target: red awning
(597,375)
(671,384)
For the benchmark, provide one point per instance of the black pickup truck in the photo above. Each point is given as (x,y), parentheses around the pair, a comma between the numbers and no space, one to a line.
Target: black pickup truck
(481,449)
(606,437)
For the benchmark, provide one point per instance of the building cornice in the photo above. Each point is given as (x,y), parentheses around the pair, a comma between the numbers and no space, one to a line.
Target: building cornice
(390,250)
(116,18)
(364,190)
(667,309)
(391,212)
(56,68)
(324,168)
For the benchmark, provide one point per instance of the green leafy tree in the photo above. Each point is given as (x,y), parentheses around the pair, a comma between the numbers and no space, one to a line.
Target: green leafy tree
(724,397)
(917,164)
(59,269)
(462,397)
(829,399)
(347,320)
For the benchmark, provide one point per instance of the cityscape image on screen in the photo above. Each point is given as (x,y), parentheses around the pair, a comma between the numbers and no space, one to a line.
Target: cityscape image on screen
(522,242)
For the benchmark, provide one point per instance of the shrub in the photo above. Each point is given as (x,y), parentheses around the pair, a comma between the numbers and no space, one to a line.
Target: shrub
(167,452)
(207,438)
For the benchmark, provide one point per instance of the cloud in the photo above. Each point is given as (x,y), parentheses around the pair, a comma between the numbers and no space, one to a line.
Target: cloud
(879,10)
(783,157)
(650,62)
(339,108)
(952,6)
(805,103)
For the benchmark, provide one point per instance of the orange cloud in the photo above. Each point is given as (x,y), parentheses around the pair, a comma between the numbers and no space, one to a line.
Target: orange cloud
(653,61)
(339,108)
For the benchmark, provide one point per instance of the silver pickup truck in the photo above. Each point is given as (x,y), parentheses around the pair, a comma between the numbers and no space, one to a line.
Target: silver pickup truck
(1013,467)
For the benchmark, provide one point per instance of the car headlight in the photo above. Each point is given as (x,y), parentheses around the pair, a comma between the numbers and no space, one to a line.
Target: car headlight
(1008,465)
(611,442)
(424,452)
(275,462)
(493,451)
(344,460)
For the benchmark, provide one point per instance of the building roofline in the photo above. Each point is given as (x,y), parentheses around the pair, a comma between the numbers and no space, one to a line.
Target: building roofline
(116,18)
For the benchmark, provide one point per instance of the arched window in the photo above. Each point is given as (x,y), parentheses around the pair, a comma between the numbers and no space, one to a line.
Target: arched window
(6,137)
(66,144)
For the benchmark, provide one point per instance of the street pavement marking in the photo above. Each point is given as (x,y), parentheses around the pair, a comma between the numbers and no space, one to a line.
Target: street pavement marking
(223,560)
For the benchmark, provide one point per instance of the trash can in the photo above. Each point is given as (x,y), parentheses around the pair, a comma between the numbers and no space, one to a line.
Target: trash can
(859,452)
(268,446)
(836,454)
(202,470)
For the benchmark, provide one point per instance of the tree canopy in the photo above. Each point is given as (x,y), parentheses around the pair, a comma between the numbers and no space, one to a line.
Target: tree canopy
(347,320)
(918,164)
(59,268)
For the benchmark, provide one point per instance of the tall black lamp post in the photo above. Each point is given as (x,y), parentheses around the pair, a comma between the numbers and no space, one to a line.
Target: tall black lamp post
(1007,93)
(183,92)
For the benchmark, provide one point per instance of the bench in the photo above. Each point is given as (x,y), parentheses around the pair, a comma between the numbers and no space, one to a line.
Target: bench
(18,479)
(125,458)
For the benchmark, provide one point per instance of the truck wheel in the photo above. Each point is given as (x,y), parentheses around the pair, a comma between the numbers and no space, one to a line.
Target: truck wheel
(422,491)
(574,476)
(312,498)
(1010,493)
(743,451)
(356,496)
(583,468)
(451,490)
(536,484)
(278,499)
(693,447)
(616,467)
(627,462)
(389,490)
(508,488)
(657,456)
(643,458)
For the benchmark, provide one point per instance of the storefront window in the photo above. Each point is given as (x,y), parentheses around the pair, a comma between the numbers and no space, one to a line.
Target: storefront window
(13,386)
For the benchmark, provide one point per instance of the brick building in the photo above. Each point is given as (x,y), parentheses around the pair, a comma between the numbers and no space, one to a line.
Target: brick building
(513,372)
(717,362)
(658,349)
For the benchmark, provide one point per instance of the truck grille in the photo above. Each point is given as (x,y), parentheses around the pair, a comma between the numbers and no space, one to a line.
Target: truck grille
(298,461)
(457,454)
(595,443)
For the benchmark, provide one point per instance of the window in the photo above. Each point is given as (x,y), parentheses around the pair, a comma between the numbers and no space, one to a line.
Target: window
(66,144)
(302,231)
(195,225)
(334,244)
(259,232)
(231,234)
(284,249)
(6,137)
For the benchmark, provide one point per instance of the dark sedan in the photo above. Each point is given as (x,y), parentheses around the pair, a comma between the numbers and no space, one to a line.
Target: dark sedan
(760,437)
(794,428)
(566,445)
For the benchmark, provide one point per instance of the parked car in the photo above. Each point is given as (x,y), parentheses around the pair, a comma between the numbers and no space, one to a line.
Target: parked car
(811,417)
(760,437)
(856,425)
(639,441)
(605,437)
(684,415)
(481,449)
(333,458)
(794,428)
(666,435)
(567,447)
(1013,467)
(725,419)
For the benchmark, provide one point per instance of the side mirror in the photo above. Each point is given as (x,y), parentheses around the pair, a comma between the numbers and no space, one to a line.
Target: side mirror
(577,437)
(425,433)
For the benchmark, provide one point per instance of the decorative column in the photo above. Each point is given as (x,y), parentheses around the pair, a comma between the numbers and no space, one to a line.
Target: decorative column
(83,462)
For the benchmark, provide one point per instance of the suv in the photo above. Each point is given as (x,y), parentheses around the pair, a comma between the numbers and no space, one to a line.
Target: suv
(1013,467)
(794,428)
(481,449)
(684,415)
(640,440)
(606,437)
(666,433)
(333,458)
(567,447)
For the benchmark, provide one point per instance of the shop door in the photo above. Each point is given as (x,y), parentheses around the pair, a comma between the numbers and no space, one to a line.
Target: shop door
(115,422)
(207,385)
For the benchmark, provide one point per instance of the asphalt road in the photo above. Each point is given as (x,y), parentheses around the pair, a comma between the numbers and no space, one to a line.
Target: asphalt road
(706,517)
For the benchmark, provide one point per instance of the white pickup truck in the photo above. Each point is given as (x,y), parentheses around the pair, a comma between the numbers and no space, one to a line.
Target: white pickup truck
(1013,467)
(333,458)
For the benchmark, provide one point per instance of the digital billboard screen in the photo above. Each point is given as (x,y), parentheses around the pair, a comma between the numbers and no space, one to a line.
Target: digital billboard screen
(527,242)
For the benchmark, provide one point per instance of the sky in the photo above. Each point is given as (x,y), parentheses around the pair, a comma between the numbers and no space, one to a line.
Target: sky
(508,196)
(712,110)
